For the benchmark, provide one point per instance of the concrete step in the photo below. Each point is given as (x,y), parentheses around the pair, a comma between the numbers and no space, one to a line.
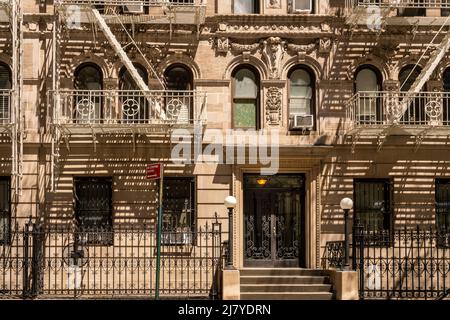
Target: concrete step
(293,288)
(284,280)
(287,296)
(281,272)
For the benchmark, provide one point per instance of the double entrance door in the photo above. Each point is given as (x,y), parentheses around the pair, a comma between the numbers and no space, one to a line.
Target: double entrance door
(274,210)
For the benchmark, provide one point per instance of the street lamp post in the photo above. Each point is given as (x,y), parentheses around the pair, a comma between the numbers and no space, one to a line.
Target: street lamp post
(230,204)
(346,205)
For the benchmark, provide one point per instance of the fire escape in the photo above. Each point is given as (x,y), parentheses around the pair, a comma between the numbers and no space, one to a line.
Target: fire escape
(11,124)
(410,112)
(143,111)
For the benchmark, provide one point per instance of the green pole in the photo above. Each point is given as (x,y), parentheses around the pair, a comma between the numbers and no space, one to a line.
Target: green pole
(158,234)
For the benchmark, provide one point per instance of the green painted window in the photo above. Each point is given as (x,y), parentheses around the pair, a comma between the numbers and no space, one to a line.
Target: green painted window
(245,100)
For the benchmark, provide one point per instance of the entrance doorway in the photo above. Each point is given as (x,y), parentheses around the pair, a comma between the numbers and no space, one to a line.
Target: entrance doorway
(274,221)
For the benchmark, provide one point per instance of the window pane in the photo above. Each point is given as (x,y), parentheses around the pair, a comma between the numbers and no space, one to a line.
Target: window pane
(300,106)
(366,80)
(179,204)
(4,210)
(93,198)
(405,81)
(443,205)
(88,78)
(244,6)
(302,4)
(301,92)
(178,78)
(371,204)
(126,80)
(245,85)
(5,77)
(244,114)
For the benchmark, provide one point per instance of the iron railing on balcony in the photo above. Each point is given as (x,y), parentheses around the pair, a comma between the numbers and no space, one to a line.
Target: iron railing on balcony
(125,107)
(437,4)
(383,108)
(5,107)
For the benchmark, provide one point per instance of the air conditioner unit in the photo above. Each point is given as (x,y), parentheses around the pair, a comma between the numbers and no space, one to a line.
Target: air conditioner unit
(137,8)
(305,122)
(301,6)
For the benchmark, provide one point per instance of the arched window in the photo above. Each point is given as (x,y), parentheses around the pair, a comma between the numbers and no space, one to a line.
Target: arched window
(446,87)
(301,94)
(5,87)
(368,85)
(178,77)
(133,101)
(88,84)
(245,111)
(179,98)
(415,114)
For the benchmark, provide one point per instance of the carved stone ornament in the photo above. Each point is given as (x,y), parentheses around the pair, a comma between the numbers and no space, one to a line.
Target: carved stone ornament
(222,44)
(297,48)
(273,106)
(240,48)
(273,52)
(273,4)
(325,45)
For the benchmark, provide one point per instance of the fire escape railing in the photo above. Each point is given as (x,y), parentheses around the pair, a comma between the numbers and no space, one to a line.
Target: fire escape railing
(382,108)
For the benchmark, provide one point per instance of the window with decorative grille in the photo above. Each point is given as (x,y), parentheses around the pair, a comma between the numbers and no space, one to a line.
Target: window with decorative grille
(179,210)
(93,203)
(442,205)
(372,208)
(5,210)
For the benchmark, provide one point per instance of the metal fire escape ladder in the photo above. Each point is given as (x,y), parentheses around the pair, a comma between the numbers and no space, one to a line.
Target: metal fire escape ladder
(16,20)
(427,71)
(127,62)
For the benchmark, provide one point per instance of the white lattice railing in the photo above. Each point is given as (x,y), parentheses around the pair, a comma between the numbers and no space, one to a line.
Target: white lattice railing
(377,108)
(128,107)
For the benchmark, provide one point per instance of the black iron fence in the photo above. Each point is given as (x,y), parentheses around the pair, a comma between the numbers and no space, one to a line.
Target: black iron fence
(406,263)
(67,262)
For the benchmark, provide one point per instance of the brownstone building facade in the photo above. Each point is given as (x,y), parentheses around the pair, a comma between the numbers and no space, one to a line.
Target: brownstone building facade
(354,93)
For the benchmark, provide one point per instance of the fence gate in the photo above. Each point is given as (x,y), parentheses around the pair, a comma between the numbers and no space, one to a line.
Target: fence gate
(406,263)
(66,262)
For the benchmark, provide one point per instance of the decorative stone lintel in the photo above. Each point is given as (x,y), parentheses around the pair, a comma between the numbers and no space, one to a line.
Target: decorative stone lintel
(110,83)
(273,83)
(391,85)
(246,56)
